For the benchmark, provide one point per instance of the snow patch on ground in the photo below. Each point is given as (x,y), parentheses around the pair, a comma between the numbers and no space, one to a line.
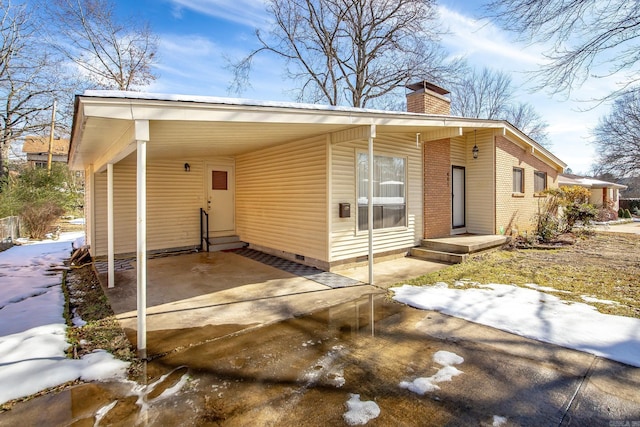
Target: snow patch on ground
(359,412)
(587,298)
(32,326)
(428,384)
(533,314)
(499,421)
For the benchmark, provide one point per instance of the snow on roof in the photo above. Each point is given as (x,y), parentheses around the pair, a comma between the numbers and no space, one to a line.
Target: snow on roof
(231,101)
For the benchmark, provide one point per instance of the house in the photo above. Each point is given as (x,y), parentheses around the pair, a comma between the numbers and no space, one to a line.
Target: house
(601,193)
(293,179)
(37,150)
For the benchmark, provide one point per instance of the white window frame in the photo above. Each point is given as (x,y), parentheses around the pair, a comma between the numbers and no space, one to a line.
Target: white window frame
(362,208)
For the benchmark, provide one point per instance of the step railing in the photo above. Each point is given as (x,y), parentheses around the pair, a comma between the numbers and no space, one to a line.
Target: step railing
(204,230)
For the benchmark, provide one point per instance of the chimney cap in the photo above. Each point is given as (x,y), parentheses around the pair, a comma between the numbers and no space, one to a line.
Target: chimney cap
(425,85)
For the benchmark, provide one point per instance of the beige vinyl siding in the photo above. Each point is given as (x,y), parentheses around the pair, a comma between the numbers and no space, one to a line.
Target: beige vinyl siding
(346,242)
(459,151)
(174,198)
(281,197)
(89,184)
(480,188)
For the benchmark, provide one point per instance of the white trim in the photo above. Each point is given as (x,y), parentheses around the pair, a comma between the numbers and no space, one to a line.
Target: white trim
(141,246)
(110,228)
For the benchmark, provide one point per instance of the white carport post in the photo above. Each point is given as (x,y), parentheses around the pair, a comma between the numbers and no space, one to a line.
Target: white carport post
(141,137)
(372,134)
(110,233)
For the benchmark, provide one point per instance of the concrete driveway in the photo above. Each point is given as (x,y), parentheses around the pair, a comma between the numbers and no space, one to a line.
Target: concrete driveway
(630,227)
(235,342)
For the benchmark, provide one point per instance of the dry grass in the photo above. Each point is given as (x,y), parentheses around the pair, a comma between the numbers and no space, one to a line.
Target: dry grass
(102,330)
(604,266)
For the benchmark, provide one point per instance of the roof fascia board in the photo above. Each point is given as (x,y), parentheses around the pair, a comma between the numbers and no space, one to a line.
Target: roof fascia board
(535,149)
(137,109)
(118,150)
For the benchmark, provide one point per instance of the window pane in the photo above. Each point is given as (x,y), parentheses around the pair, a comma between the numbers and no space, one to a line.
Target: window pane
(517,180)
(389,206)
(540,181)
(219,180)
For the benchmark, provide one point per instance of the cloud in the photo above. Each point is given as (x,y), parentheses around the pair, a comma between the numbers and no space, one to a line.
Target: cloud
(250,13)
(485,42)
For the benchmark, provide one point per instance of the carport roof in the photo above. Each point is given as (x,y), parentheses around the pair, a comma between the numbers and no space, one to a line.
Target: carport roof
(104,126)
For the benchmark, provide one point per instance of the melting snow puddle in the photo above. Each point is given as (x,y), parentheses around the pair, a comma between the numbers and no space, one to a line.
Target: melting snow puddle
(424,385)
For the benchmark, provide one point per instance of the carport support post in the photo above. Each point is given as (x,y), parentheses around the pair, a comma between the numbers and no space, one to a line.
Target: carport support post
(110,256)
(372,134)
(142,136)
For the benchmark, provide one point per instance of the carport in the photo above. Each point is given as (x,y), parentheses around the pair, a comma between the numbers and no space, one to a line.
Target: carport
(298,165)
(196,297)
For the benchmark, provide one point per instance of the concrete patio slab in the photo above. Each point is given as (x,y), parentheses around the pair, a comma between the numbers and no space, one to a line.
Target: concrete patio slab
(226,293)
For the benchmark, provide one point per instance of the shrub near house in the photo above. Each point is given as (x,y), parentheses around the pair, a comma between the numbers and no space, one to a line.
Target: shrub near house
(565,207)
(39,197)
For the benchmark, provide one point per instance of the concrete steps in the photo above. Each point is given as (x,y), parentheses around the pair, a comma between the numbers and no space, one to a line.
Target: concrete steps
(457,249)
(439,256)
(225,243)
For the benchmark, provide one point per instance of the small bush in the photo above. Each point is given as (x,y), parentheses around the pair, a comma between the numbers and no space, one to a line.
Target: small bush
(627,214)
(39,218)
(620,213)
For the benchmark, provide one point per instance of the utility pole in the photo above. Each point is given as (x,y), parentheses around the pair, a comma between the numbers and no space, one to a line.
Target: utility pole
(53,127)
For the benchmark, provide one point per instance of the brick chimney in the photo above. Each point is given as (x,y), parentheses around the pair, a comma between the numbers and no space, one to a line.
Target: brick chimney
(427,98)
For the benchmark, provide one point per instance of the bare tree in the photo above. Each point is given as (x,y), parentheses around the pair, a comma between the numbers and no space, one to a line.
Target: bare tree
(30,79)
(352,52)
(523,116)
(617,138)
(489,94)
(482,94)
(589,38)
(112,54)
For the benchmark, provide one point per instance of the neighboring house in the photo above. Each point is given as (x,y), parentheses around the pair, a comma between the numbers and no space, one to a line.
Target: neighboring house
(292,179)
(602,193)
(37,150)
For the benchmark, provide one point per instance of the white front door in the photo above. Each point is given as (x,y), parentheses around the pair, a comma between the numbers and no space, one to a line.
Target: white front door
(220,199)
(458,197)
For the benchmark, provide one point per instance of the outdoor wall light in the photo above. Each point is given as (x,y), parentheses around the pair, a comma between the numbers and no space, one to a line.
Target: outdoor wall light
(187,167)
(475,149)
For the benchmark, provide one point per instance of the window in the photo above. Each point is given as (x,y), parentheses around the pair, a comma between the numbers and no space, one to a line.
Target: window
(518,180)
(539,181)
(389,202)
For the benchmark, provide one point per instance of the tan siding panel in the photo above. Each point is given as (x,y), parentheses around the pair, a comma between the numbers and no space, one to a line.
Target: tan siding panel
(174,198)
(281,198)
(346,242)
(459,151)
(480,183)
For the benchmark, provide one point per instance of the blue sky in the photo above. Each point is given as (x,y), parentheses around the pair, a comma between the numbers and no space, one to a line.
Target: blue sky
(197,35)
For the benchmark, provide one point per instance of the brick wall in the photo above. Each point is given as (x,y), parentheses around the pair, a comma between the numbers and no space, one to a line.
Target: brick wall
(437,188)
(516,212)
(428,102)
